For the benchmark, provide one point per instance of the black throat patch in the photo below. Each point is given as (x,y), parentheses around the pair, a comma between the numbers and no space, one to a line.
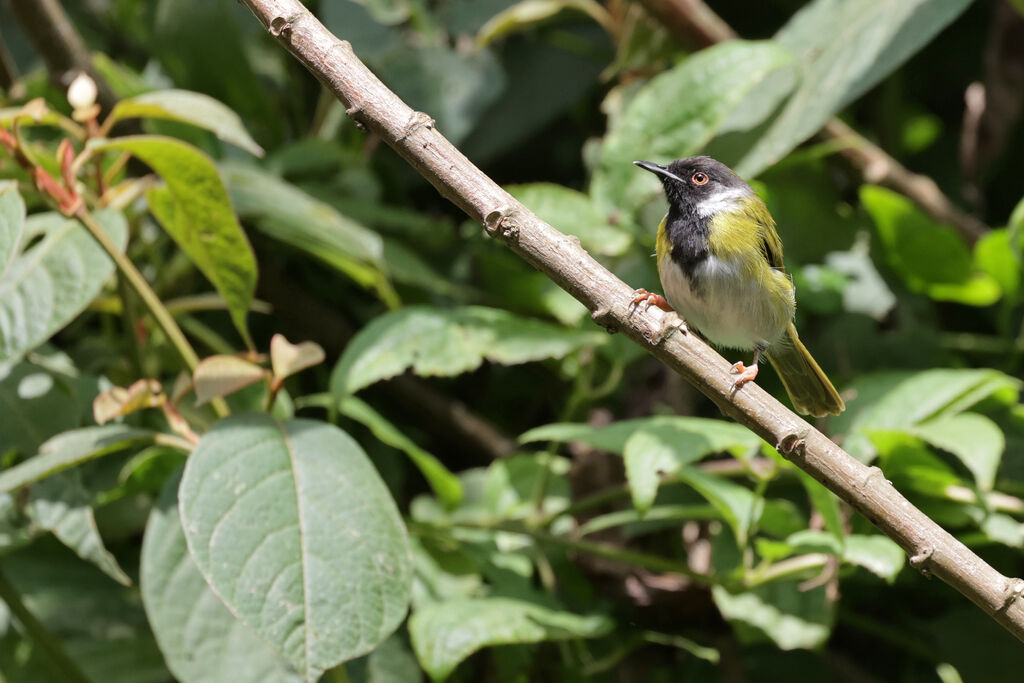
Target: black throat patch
(688,234)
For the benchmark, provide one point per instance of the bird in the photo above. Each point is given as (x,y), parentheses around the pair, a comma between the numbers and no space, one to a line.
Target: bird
(720,265)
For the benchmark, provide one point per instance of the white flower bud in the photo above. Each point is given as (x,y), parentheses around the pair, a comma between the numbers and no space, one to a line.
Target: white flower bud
(82,92)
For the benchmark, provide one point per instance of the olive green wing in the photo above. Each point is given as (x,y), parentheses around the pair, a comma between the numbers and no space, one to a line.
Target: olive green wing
(771,245)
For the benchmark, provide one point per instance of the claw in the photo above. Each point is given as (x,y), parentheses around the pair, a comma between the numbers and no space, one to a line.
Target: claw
(745,374)
(642,300)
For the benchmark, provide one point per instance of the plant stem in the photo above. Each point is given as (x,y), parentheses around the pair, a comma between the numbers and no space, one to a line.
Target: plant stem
(65,666)
(156,307)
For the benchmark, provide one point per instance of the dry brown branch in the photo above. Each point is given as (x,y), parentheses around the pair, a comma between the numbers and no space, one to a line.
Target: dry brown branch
(413,136)
(689,19)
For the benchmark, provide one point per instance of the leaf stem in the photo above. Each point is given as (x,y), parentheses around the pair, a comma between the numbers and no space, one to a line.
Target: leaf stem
(58,658)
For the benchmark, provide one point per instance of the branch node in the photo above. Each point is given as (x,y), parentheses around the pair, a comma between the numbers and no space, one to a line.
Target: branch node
(503,220)
(921,560)
(281,26)
(354,111)
(417,121)
(794,443)
(1014,591)
(873,472)
(603,317)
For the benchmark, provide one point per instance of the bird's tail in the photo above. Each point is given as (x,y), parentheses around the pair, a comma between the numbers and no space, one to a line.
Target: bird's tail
(808,387)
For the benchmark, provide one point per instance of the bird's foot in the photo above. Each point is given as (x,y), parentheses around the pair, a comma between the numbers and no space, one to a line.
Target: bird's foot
(642,300)
(746,374)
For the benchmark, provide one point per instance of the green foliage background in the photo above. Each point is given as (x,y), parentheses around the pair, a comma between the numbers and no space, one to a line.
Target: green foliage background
(478,483)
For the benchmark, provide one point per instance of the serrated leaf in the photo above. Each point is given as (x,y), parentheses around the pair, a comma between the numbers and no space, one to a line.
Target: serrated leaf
(878,554)
(193,207)
(218,376)
(45,287)
(664,448)
(189,107)
(739,507)
(444,484)
(930,257)
(844,47)
(286,213)
(974,439)
(778,612)
(293,528)
(445,633)
(12,224)
(69,449)
(201,640)
(61,504)
(446,342)
(286,358)
(573,213)
(677,113)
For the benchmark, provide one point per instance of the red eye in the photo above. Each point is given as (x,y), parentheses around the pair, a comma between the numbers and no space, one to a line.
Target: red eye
(700,178)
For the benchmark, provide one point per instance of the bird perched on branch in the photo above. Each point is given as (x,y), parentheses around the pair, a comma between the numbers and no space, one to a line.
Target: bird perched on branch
(720,262)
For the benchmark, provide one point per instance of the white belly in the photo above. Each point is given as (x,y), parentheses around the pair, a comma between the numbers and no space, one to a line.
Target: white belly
(731,308)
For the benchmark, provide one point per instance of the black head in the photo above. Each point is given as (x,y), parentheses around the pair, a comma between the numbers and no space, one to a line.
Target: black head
(689,182)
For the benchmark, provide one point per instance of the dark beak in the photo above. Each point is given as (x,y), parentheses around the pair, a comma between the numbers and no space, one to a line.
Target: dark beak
(657,169)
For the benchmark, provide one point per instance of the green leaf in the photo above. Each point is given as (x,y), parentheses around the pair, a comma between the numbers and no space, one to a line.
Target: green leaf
(573,213)
(12,224)
(445,484)
(526,13)
(825,502)
(61,504)
(996,255)
(445,633)
(292,527)
(50,283)
(189,107)
(286,213)
(930,257)
(739,507)
(387,11)
(723,436)
(663,448)
(447,342)
(391,662)
(898,400)
(201,640)
(878,554)
(35,404)
(844,47)
(194,209)
(778,612)
(70,449)
(975,439)
(677,113)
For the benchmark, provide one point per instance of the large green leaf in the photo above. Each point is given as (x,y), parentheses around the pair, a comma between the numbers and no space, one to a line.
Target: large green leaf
(929,256)
(12,223)
(573,213)
(878,554)
(70,449)
(61,504)
(677,113)
(193,207)
(976,440)
(35,405)
(293,528)
(201,640)
(189,107)
(844,47)
(718,434)
(286,213)
(737,504)
(50,283)
(446,342)
(445,484)
(900,400)
(779,612)
(445,633)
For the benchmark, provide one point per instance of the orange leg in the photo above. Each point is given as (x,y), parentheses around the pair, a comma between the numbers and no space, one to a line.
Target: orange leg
(641,297)
(746,374)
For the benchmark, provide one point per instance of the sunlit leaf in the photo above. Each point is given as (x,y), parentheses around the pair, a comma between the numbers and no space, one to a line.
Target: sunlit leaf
(293,528)
(189,107)
(738,505)
(573,213)
(12,224)
(219,376)
(878,554)
(193,207)
(778,612)
(976,440)
(118,401)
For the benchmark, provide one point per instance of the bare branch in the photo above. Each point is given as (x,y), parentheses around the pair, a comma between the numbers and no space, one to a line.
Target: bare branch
(689,19)
(413,136)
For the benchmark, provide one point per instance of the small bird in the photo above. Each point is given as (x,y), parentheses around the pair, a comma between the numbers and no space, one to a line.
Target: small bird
(720,263)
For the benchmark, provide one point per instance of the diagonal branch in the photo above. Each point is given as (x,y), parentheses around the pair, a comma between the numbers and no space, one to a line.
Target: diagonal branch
(561,258)
(689,19)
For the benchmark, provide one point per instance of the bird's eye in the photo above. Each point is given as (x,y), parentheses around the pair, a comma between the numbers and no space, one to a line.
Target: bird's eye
(699,178)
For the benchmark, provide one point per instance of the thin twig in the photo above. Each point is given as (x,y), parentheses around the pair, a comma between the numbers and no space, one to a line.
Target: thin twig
(561,258)
(688,19)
